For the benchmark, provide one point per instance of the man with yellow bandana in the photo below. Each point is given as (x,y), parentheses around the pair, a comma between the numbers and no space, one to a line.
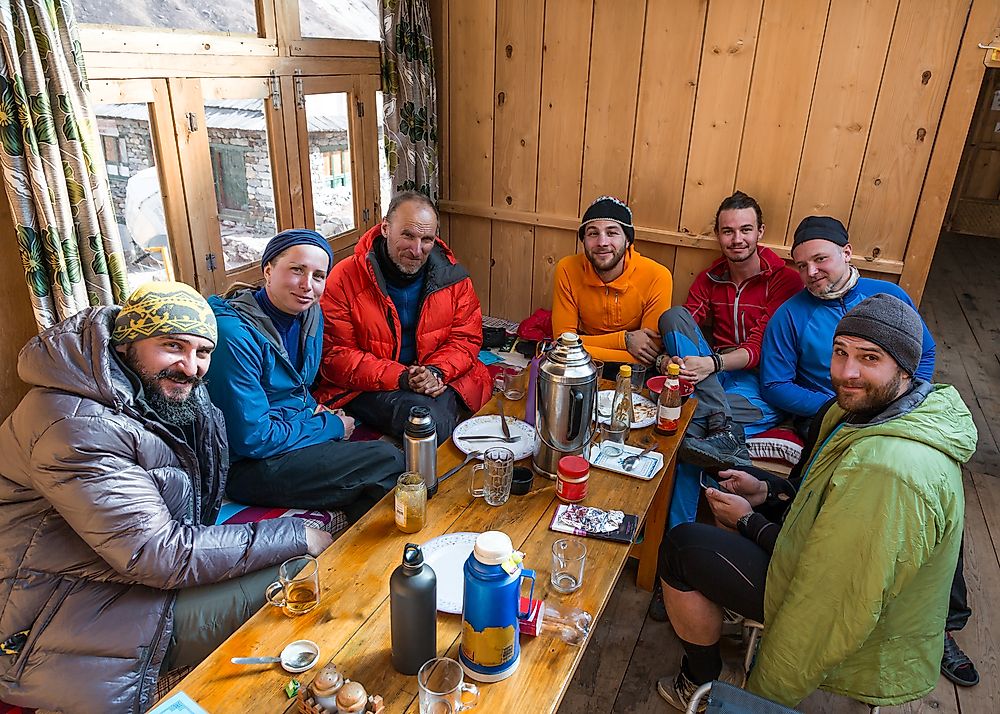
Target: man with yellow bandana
(113,472)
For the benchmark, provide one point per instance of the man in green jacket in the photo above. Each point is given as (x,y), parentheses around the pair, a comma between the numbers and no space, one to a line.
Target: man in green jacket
(851,574)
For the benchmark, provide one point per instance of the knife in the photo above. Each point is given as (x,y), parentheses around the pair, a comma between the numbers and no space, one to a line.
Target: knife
(503,418)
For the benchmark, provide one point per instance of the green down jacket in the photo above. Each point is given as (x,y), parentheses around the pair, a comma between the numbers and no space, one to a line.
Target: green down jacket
(857,588)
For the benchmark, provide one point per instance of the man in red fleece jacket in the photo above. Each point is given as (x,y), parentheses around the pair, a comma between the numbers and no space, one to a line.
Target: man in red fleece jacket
(738,294)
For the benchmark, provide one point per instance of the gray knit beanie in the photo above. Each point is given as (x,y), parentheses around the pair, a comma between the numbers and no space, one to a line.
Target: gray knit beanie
(891,324)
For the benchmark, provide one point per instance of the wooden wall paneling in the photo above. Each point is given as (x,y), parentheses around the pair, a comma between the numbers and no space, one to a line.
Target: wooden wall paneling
(17,324)
(196,178)
(616,52)
(788,47)
(471,53)
(515,139)
(562,120)
(470,241)
(847,84)
(662,253)
(439,39)
(918,70)
(958,109)
(720,108)
(687,264)
(667,84)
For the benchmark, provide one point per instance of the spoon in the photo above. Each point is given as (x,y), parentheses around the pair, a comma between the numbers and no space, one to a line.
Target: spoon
(629,461)
(451,472)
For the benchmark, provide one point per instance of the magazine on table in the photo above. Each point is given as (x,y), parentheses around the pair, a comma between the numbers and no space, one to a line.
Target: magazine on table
(591,522)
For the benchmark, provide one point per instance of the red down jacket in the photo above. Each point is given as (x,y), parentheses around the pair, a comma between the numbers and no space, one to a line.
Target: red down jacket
(361,334)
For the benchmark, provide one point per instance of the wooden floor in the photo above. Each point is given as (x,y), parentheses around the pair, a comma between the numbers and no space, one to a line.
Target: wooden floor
(629,652)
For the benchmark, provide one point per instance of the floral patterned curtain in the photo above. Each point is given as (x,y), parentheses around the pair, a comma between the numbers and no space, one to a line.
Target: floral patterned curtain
(410,98)
(53,170)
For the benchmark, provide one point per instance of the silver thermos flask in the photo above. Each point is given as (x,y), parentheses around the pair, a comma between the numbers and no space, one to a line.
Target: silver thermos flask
(420,447)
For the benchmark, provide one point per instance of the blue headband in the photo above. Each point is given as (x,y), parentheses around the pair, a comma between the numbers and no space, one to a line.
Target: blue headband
(295,236)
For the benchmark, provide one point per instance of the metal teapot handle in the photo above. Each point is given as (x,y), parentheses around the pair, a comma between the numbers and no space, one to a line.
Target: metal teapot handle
(575,414)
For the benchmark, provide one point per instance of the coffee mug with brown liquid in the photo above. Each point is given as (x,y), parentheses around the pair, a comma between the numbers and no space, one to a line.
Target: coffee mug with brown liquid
(296,591)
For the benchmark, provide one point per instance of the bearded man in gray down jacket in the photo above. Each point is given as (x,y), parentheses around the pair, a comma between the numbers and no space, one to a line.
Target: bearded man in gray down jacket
(112,476)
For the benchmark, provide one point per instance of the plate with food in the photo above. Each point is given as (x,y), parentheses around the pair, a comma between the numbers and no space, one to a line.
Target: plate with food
(485,431)
(643,409)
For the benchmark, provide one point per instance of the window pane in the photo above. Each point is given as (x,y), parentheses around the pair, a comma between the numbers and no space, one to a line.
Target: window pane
(241,172)
(330,163)
(135,190)
(384,177)
(342,19)
(236,16)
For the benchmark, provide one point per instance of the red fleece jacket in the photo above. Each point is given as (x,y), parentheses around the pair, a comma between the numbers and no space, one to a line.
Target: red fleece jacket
(739,313)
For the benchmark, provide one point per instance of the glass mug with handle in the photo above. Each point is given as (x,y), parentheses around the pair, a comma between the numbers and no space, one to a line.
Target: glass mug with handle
(296,591)
(443,689)
(498,472)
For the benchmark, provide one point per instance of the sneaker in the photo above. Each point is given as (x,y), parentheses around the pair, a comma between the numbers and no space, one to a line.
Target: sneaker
(679,690)
(732,623)
(956,665)
(718,451)
(657,609)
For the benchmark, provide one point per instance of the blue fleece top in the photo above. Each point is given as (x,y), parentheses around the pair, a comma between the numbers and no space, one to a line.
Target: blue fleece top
(798,346)
(266,401)
(407,301)
(289,327)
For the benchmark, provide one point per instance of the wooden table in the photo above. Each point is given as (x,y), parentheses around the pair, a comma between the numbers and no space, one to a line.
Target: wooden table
(351,623)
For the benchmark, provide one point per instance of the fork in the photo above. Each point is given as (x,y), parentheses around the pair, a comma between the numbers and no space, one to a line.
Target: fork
(629,461)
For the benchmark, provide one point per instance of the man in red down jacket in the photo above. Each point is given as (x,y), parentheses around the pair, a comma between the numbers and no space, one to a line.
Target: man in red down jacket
(403,326)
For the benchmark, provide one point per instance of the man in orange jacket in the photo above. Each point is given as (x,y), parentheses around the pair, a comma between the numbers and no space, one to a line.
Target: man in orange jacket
(610,295)
(402,326)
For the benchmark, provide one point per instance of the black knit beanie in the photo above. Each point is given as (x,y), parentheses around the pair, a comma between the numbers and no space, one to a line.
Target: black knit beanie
(820,227)
(609,208)
(891,324)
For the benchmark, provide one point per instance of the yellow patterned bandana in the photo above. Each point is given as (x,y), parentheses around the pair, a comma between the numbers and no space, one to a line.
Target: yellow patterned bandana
(164,308)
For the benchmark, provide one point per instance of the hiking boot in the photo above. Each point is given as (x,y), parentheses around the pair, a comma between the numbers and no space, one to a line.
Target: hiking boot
(718,451)
(732,623)
(679,690)
(956,665)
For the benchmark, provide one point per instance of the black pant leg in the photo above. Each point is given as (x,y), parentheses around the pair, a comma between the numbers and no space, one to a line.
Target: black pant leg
(725,567)
(388,411)
(959,611)
(334,475)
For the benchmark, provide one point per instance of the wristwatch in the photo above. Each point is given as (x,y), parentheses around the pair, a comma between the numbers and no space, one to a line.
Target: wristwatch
(741,524)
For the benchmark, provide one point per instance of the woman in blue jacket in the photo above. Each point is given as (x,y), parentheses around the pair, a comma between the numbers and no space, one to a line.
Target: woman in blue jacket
(287,450)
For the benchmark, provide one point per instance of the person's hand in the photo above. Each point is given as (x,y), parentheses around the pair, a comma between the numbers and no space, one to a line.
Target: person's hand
(425,381)
(644,344)
(727,507)
(694,369)
(348,423)
(743,484)
(317,541)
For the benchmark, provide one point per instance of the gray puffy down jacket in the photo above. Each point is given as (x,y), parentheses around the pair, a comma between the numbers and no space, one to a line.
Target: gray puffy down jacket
(103,516)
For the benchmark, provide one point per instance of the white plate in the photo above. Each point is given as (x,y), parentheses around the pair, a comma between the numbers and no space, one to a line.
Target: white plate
(446,555)
(604,399)
(645,468)
(489,424)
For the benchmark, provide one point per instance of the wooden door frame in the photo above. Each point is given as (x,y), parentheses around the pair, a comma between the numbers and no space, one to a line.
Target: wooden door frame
(959,107)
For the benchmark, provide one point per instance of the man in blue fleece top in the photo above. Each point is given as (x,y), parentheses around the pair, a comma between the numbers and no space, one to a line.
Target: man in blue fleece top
(798,342)
(795,365)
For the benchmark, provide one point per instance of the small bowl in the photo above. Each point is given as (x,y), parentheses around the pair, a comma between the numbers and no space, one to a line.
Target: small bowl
(655,386)
(521,483)
(293,650)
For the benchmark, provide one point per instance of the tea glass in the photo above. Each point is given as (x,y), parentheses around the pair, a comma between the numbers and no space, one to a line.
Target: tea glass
(510,381)
(443,689)
(638,378)
(568,559)
(498,472)
(613,439)
(296,590)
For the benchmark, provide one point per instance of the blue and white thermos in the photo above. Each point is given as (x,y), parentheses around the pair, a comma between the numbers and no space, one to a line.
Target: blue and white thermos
(490,648)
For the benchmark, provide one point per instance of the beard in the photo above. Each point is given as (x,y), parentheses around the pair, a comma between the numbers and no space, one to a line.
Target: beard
(179,412)
(873,399)
(613,259)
